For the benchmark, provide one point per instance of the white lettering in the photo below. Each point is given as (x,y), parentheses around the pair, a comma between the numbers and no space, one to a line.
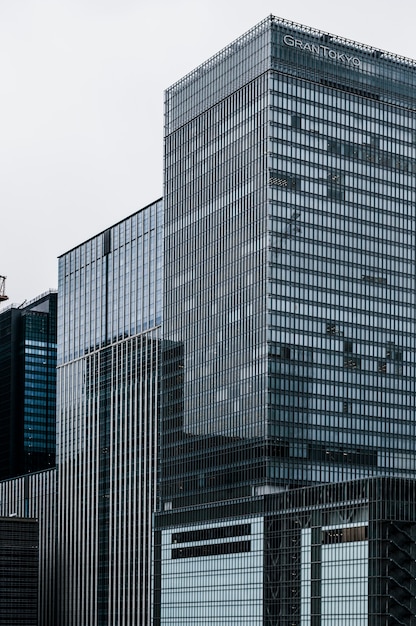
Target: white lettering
(321,50)
(289,41)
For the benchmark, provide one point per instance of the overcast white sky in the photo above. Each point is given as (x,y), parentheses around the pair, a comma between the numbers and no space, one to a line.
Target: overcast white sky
(81,106)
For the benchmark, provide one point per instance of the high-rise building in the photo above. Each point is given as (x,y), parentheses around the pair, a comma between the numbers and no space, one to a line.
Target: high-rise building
(290,164)
(289,334)
(28,386)
(110,313)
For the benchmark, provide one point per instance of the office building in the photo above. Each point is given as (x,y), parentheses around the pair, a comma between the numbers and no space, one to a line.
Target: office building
(289,330)
(290,163)
(33,497)
(110,314)
(340,554)
(28,386)
(19,550)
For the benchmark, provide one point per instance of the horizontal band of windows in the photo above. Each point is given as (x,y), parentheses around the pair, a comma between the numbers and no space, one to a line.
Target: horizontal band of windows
(350,89)
(371,154)
(360,456)
(234,547)
(345,535)
(212,533)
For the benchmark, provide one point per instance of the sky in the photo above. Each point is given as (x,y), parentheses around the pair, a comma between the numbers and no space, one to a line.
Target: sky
(81,106)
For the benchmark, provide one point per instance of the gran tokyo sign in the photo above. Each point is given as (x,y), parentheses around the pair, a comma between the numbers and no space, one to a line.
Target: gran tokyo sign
(322,51)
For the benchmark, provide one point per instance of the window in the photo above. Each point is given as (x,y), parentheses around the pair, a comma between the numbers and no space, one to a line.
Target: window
(345,535)
(296,121)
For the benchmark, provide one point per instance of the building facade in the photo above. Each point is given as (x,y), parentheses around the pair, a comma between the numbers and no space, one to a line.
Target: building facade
(332,554)
(290,163)
(289,334)
(28,386)
(110,308)
(19,552)
(34,498)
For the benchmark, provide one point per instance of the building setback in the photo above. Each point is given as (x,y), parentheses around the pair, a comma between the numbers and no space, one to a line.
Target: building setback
(289,326)
(28,386)
(109,338)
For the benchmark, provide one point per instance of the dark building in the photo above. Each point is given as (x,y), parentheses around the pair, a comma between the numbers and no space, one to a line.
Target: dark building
(19,555)
(28,386)
(33,496)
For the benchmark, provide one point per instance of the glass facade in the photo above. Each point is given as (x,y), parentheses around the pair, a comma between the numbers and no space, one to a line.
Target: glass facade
(110,290)
(339,554)
(215,278)
(28,348)
(342,282)
(213,574)
(110,287)
(290,163)
(289,335)
(334,554)
(38,356)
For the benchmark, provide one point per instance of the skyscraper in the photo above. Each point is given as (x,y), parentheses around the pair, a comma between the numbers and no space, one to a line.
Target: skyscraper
(28,386)
(290,163)
(289,334)
(110,312)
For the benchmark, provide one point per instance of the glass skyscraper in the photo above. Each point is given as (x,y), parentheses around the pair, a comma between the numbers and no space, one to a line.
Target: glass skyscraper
(289,336)
(109,317)
(290,164)
(28,339)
